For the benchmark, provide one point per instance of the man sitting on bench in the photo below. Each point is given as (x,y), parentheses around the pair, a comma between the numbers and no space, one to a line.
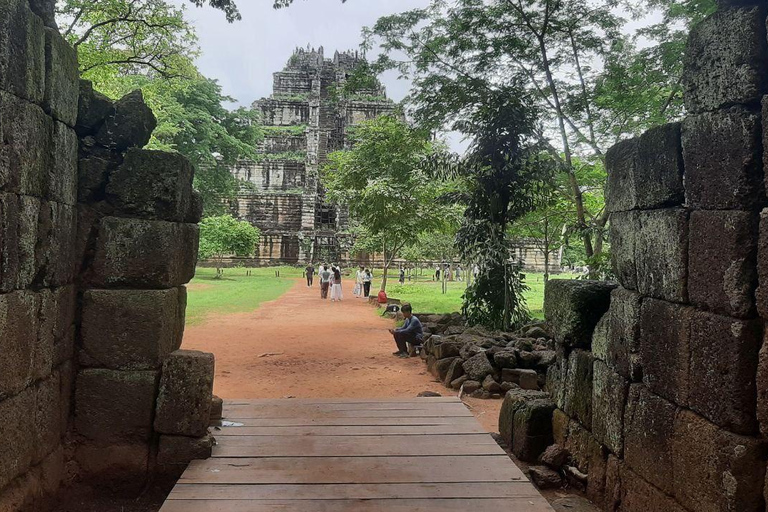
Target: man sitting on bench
(411,332)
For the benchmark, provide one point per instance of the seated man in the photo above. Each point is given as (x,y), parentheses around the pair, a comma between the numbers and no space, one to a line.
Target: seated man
(410,332)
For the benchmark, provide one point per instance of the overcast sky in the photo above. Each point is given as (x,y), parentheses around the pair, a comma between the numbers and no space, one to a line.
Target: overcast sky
(243,55)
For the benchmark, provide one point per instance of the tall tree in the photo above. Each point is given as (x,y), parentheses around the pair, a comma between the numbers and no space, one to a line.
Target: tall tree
(223,235)
(382,181)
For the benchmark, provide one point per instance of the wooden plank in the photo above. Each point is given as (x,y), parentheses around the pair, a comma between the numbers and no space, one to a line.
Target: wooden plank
(360,470)
(355,446)
(354,491)
(333,421)
(536,504)
(353,430)
(452,410)
(272,409)
(280,401)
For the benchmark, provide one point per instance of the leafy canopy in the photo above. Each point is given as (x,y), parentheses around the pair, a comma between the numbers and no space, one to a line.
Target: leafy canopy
(224,235)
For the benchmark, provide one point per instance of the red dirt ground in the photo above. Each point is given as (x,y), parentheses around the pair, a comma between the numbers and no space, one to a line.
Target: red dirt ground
(304,347)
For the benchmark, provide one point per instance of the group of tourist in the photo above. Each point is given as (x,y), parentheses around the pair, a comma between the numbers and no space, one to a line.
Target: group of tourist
(330,281)
(449,273)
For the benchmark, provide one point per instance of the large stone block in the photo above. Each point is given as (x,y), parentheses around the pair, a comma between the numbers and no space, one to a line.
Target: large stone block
(578,386)
(9,241)
(129,329)
(16,428)
(19,327)
(30,224)
(61,185)
(55,251)
(143,254)
(181,450)
(661,254)
(725,60)
(724,355)
(665,353)
(186,389)
(723,160)
(623,229)
(722,261)
(761,293)
(573,307)
(609,397)
(716,470)
(61,78)
(640,496)
(47,418)
(646,172)
(93,108)
(589,457)
(115,406)
(616,340)
(477,367)
(648,427)
(129,125)
(26,134)
(22,51)
(152,185)
(57,321)
(525,422)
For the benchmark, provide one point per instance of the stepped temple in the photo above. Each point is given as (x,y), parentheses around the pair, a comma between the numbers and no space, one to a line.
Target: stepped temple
(306,118)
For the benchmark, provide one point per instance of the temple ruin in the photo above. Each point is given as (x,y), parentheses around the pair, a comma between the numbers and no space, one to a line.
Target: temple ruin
(309,115)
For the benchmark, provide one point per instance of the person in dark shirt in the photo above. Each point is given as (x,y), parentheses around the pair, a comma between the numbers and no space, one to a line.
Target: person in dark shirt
(411,332)
(310,270)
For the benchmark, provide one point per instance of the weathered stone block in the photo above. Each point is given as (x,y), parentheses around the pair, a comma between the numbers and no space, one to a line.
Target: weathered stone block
(25,145)
(665,349)
(195,211)
(723,160)
(113,406)
(22,51)
(725,61)
(61,78)
(66,391)
(648,428)
(724,355)
(661,254)
(616,340)
(48,429)
(640,496)
(129,125)
(477,367)
(57,320)
(609,397)
(46,9)
(62,178)
(722,259)
(93,108)
(621,162)
(761,293)
(447,349)
(129,329)
(762,388)
(144,254)
(573,307)
(526,379)
(55,250)
(623,229)
(181,450)
(455,371)
(9,241)
(93,171)
(217,408)
(19,327)
(513,401)
(152,185)
(30,225)
(716,470)
(589,457)
(441,367)
(186,388)
(578,386)
(532,430)
(560,422)
(16,425)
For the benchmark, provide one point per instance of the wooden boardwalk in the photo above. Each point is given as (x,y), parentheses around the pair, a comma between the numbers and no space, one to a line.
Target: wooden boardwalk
(415,455)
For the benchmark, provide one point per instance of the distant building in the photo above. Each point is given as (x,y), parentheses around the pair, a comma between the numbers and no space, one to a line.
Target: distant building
(306,118)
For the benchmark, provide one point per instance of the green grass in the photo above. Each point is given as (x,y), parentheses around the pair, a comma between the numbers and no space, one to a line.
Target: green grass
(235,292)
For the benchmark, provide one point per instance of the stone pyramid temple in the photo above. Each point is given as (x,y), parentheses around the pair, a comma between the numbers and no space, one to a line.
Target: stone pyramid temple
(308,116)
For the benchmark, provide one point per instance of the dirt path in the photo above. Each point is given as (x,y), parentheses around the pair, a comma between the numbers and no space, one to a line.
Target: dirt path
(300,346)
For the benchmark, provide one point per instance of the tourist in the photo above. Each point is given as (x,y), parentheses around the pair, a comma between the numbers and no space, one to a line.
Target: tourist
(310,272)
(458,273)
(437,272)
(325,281)
(411,332)
(336,284)
(449,274)
(359,281)
(402,275)
(367,278)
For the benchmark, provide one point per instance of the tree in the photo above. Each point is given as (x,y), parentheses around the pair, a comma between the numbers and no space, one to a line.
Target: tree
(382,182)
(224,235)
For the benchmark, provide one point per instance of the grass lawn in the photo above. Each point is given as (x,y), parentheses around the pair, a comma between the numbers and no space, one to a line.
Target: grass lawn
(235,292)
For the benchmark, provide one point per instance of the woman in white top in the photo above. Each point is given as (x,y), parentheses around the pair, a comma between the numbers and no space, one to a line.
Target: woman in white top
(336,284)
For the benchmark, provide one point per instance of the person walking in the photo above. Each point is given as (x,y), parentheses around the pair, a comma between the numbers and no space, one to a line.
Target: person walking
(325,281)
(336,294)
(367,278)
(310,272)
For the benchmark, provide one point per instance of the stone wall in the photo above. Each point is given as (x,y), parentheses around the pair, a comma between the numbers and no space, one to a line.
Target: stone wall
(661,400)
(97,239)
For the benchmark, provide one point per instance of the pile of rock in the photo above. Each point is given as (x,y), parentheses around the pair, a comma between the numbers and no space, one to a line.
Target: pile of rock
(483,363)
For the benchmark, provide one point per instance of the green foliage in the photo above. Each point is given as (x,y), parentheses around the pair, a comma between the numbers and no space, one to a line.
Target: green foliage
(383,183)
(285,131)
(224,235)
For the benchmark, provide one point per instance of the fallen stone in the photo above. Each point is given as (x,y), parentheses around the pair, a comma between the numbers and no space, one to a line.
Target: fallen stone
(441,367)
(186,389)
(555,456)
(130,124)
(447,349)
(93,109)
(217,408)
(470,386)
(455,370)
(456,384)
(573,307)
(490,384)
(525,422)
(545,478)
(536,332)
(505,359)
(477,367)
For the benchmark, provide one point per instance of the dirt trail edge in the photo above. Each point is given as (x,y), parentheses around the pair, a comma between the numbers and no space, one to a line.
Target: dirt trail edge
(303,347)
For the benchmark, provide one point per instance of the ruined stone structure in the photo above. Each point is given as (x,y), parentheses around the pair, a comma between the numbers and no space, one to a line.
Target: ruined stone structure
(97,238)
(661,382)
(308,116)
